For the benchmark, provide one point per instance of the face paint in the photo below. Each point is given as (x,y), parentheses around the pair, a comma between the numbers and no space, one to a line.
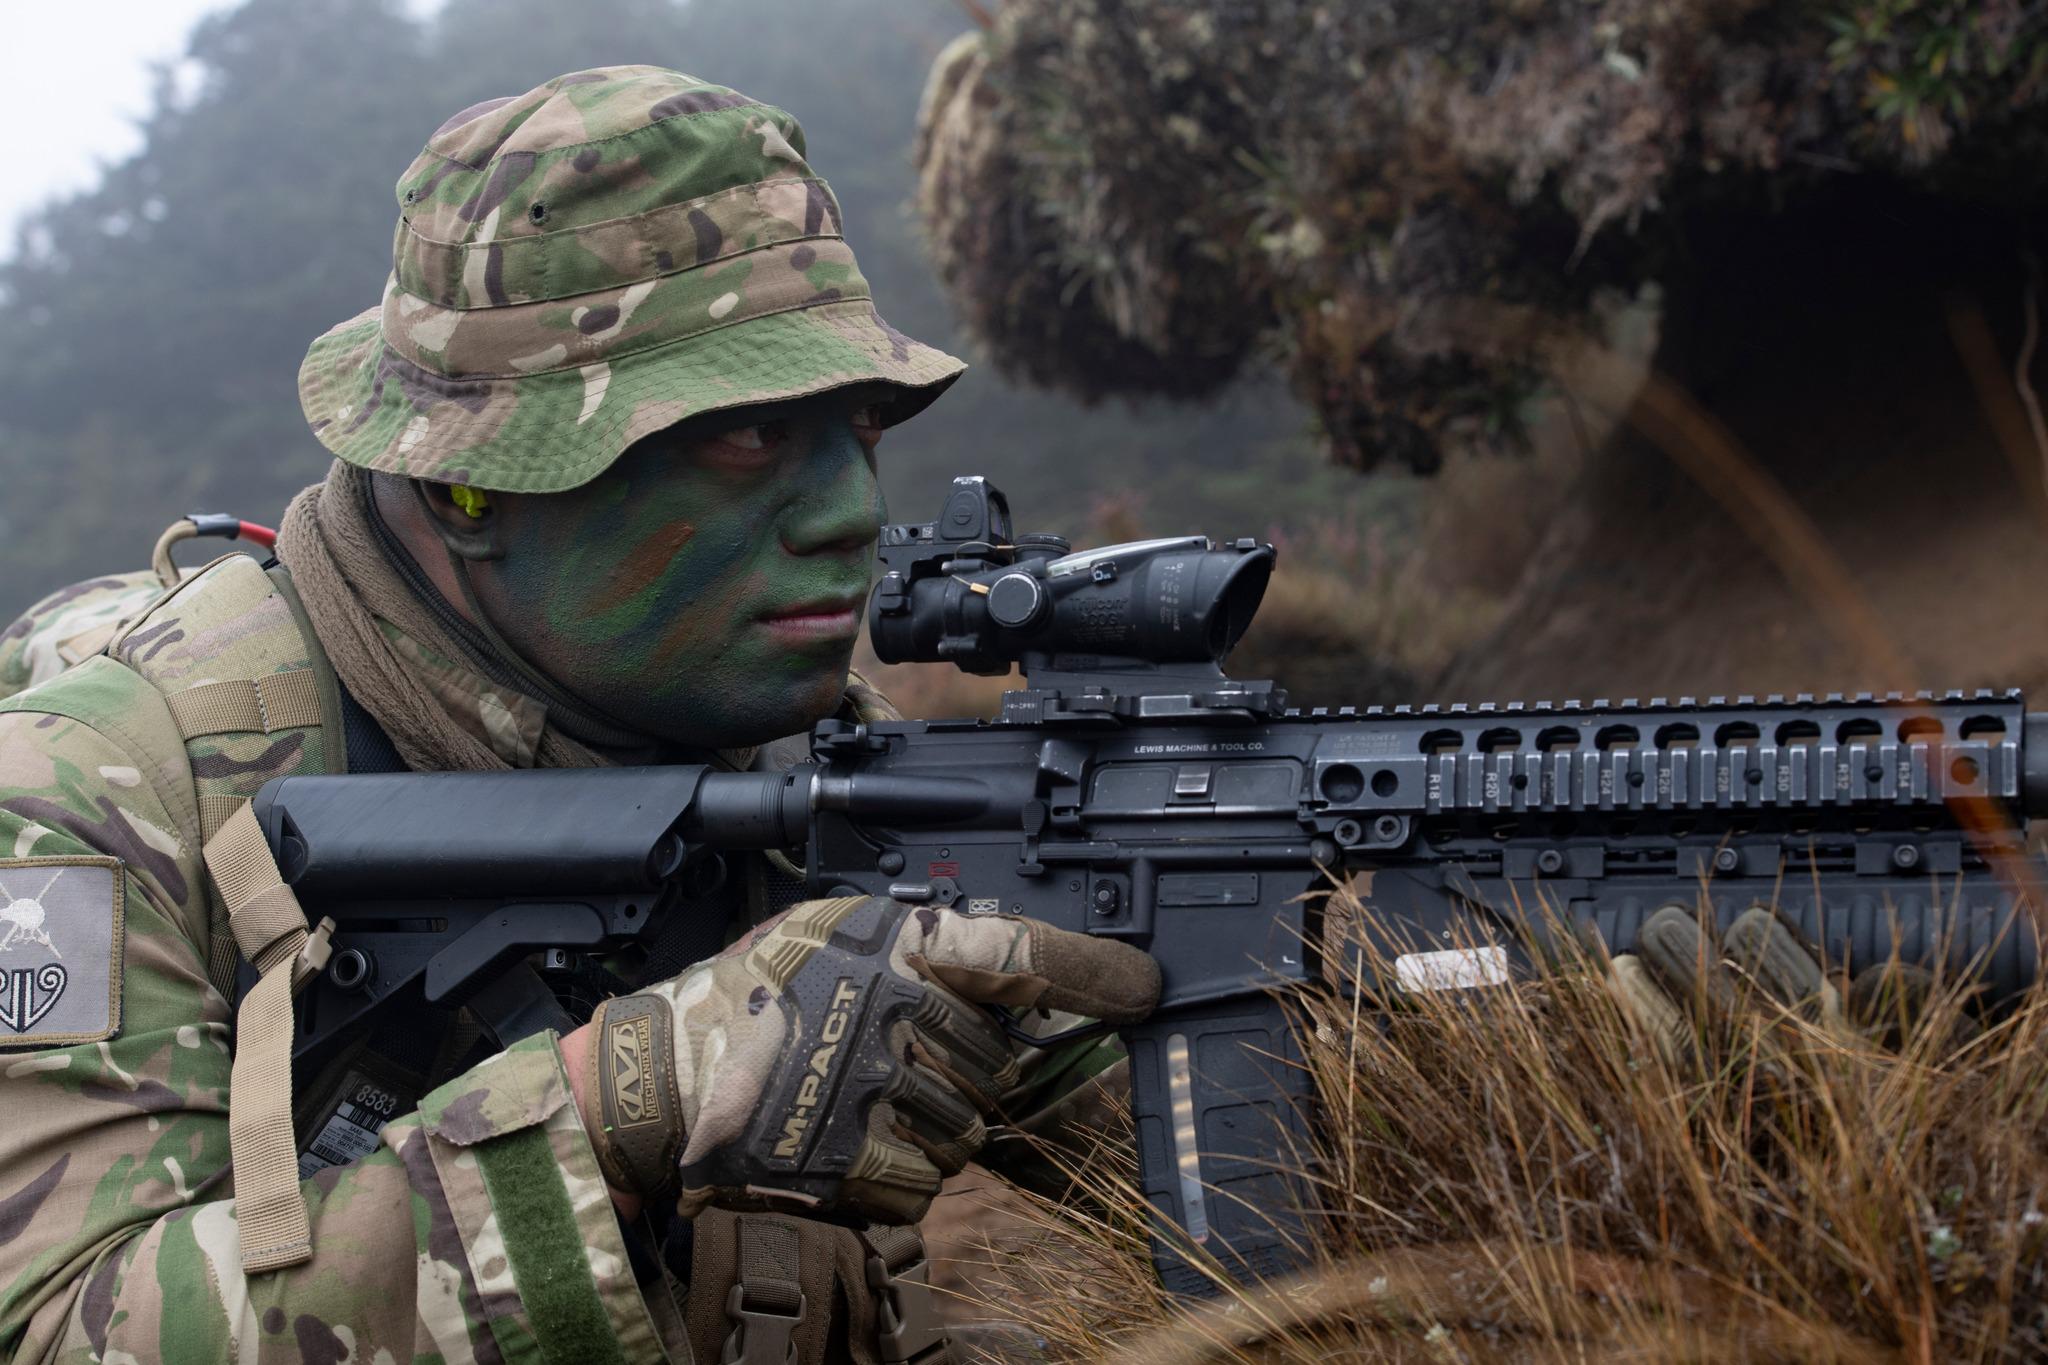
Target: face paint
(707,588)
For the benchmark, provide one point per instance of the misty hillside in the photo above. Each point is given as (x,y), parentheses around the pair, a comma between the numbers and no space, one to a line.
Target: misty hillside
(1183,335)
(151,329)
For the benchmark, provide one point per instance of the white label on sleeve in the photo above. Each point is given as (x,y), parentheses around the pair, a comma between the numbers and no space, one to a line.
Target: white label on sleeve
(1453,969)
(349,1135)
(350,1132)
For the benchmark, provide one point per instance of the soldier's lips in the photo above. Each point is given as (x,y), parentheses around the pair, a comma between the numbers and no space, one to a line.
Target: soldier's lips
(829,619)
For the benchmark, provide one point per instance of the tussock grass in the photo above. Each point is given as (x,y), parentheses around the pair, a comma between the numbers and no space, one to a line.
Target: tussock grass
(1524,1174)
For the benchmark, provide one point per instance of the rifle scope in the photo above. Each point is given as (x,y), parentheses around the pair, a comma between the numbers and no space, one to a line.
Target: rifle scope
(965,590)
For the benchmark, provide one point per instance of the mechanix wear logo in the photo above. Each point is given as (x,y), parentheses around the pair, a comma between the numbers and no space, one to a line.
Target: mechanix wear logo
(838,1015)
(633,1099)
(60,951)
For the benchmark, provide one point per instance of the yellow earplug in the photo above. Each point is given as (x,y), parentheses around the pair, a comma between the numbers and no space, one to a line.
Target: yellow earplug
(470,500)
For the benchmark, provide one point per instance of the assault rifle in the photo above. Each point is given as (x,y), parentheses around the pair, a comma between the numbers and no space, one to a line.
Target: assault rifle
(1131,789)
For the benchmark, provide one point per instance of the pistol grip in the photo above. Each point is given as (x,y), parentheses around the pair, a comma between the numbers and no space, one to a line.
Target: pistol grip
(1221,1103)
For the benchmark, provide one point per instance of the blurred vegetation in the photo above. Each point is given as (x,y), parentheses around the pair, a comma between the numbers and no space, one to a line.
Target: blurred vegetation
(151,328)
(1926,72)
(1426,211)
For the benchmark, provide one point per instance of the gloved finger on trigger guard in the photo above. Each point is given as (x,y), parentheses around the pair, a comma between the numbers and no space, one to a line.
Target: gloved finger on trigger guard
(1007,960)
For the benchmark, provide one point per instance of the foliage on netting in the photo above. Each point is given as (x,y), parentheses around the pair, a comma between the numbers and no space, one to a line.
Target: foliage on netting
(1413,206)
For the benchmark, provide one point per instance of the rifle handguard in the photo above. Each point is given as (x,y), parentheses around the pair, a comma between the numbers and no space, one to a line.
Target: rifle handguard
(632,1040)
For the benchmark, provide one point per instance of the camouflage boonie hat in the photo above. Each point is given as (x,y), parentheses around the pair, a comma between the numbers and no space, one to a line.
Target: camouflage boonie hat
(599,258)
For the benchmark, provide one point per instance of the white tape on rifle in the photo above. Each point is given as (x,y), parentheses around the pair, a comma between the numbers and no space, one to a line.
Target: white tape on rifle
(1452,969)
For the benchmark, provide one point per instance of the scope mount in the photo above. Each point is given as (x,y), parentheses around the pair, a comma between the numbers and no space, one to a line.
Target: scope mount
(1052,696)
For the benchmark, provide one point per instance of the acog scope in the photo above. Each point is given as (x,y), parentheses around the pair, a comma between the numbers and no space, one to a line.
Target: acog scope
(966,590)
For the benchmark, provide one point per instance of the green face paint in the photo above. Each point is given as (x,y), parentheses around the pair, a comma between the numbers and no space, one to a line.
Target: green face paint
(707,588)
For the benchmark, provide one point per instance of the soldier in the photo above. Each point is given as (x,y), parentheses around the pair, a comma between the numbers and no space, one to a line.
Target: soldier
(604,493)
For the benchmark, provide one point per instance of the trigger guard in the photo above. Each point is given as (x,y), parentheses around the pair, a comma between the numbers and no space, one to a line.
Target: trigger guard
(1078,1033)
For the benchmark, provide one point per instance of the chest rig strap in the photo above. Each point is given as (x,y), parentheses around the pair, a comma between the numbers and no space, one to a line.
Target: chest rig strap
(907,1326)
(270,929)
(768,1289)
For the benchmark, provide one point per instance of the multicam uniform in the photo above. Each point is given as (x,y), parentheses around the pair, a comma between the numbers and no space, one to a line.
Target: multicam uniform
(117,1238)
(553,292)
(70,626)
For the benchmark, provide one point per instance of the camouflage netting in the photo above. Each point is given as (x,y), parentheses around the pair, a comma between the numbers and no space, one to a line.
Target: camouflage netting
(1415,207)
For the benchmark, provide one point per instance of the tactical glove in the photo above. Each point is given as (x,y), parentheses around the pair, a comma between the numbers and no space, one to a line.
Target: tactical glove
(837,1062)
(1678,968)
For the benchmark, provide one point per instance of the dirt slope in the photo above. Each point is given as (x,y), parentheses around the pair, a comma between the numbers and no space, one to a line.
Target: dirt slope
(1863,410)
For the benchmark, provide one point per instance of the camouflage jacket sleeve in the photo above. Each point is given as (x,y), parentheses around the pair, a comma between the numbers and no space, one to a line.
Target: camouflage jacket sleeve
(479,1230)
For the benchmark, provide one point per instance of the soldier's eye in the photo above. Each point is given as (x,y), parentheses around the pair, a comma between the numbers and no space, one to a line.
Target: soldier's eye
(748,447)
(867,426)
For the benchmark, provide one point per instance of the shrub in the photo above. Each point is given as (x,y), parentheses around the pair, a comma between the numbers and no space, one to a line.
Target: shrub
(1414,207)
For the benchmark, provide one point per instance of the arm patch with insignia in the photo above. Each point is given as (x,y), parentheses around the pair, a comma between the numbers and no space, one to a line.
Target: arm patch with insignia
(60,951)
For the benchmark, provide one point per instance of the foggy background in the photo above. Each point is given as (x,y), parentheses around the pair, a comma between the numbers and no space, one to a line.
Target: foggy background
(1838,282)
(152,320)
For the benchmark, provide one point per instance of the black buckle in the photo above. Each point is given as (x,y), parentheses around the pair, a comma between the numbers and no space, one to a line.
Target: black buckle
(760,1338)
(910,1332)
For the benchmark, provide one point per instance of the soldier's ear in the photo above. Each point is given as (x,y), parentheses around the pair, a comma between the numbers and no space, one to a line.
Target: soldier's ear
(462,517)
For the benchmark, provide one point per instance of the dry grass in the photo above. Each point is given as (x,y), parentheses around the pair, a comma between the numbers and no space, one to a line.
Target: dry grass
(1524,1175)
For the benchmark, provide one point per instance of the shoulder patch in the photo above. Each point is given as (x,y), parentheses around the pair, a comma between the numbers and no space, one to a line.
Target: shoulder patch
(60,951)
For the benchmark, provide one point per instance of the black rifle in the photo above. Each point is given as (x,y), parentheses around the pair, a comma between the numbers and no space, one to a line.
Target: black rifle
(1130,789)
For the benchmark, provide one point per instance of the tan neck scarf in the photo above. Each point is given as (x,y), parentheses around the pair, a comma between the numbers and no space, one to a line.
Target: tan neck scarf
(348,585)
